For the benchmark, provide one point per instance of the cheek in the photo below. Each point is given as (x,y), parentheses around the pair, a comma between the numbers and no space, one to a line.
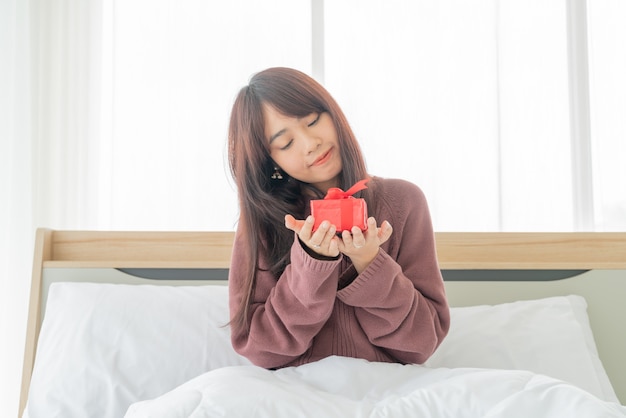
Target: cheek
(287,161)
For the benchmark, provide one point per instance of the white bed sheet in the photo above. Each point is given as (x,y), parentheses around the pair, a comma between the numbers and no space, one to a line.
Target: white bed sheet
(345,387)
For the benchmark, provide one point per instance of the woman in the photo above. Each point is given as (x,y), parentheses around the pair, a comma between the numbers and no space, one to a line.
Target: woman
(298,295)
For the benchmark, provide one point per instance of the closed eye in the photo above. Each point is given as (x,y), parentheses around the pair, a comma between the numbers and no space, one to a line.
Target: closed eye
(317,118)
(287,146)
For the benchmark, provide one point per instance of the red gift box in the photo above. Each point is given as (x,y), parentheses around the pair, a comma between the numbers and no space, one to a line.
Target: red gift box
(341,208)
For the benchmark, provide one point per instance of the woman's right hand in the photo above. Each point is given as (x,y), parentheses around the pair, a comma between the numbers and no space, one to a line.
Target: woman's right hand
(323,241)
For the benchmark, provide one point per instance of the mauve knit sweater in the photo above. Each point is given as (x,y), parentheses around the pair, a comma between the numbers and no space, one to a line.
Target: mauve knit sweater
(394,311)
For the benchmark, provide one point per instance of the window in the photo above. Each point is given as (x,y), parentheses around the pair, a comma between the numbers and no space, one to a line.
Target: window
(607,66)
(472,102)
(172,73)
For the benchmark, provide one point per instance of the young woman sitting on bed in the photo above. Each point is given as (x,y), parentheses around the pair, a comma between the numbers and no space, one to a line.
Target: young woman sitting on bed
(298,295)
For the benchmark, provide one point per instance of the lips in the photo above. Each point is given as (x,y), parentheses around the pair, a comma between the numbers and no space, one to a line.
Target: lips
(322,158)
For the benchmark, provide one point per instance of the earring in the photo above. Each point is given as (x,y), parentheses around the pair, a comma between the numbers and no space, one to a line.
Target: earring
(277,175)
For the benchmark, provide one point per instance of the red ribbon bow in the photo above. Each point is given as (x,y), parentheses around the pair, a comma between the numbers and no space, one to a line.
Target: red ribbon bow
(337,193)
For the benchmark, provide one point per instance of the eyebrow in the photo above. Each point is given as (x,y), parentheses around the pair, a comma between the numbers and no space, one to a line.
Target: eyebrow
(276,135)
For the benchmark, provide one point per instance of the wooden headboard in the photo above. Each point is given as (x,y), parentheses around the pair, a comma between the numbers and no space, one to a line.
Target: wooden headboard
(487,256)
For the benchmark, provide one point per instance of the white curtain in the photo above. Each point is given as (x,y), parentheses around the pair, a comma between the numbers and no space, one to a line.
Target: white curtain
(607,58)
(16,197)
(66,95)
(173,71)
(113,114)
(467,99)
(50,107)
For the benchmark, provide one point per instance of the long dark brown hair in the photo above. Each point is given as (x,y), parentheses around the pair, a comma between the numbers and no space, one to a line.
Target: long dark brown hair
(263,201)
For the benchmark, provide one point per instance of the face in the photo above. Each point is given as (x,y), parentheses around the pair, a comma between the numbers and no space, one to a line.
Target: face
(306,148)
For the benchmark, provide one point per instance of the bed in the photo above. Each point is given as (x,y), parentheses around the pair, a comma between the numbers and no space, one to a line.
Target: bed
(135,324)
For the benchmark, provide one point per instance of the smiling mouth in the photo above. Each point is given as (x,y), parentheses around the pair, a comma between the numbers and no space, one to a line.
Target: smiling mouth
(321,160)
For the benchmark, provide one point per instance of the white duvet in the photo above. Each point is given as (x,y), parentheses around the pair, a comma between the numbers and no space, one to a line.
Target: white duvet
(346,387)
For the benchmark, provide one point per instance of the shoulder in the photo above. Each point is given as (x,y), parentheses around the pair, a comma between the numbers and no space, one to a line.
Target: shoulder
(397,190)
(398,201)
(404,206)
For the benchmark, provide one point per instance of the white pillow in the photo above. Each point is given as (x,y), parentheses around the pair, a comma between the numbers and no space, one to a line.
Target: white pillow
(550,336)
(103,347)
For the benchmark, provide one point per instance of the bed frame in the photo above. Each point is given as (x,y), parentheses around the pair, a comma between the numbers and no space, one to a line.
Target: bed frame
(479,268)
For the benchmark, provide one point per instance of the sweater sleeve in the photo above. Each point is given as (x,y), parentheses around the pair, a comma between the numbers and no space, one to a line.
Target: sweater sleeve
(286,312)
(400,301)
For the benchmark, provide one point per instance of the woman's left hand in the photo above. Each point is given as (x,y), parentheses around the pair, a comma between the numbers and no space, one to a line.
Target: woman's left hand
(363,246)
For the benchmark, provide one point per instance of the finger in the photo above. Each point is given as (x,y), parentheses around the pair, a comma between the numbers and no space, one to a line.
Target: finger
(333,247)
(385,232)
(293,224)
(341,245)
(371,224)
(307,229)
(322,236)
(358,239)
(328,237)
(346,238)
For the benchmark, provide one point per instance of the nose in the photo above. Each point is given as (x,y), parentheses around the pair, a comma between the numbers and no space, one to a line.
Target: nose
(312,143)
